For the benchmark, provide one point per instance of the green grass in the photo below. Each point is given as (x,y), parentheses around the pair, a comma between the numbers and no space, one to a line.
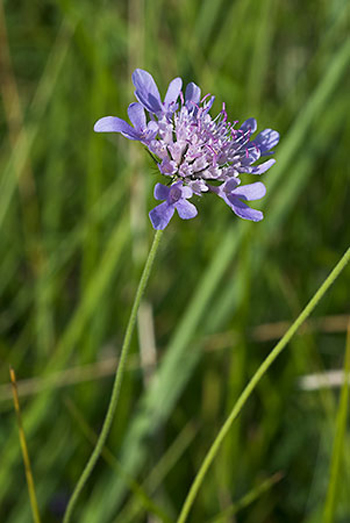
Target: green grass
(75,234)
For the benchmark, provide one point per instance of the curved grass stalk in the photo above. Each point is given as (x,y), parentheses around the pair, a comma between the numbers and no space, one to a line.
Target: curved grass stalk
(247,392)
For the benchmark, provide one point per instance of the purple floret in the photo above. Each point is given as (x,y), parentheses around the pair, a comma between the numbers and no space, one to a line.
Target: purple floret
(199,153)
(175,197)
(148,95)
(142,131)
(235,195)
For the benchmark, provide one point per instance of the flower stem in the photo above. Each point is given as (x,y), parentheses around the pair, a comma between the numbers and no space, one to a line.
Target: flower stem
(117,381)
(209,458)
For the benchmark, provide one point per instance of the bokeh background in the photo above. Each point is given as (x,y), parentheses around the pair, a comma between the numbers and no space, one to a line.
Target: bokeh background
(75,233)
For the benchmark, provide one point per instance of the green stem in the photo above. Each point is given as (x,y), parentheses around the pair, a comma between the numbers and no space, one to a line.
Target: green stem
(117,381)
(253,383)
(339,446)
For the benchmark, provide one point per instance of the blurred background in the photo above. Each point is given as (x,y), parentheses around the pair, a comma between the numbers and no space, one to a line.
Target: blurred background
(74,237)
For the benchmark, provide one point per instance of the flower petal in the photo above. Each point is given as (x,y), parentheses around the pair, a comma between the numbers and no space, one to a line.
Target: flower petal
(198,187)
(186,191)
(252,153)
(161,192)
(253,191)
(167,167)
(243,211)
(186,209)
(137,116)
(152,127)
(249,125)
(266,140)
(173,92)
(208,105)
(161,215)
(146,91)
(113,124)
(231,184)
(192,95)
(262,168)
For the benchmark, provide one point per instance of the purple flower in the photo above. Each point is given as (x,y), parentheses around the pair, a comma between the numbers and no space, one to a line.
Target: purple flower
(233,194)
(192,95)
(199,153)
(148,95)
(175,197)
(266,140)
(141,131)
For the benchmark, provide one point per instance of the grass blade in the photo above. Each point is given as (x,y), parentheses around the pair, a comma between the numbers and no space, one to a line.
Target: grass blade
(340,432)
(249,498)
(243,398)
(25,453)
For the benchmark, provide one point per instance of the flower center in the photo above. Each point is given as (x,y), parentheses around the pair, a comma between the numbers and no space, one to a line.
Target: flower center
(175,194)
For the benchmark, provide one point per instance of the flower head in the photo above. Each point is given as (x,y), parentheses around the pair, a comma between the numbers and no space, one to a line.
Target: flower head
(198,153)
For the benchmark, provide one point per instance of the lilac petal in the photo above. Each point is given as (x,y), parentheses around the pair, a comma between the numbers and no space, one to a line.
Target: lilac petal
(152,126)
(263,167)
(149,134)
(231,184)
(266,140)
(161,215)
(216,189)
(253,191)
(208,105)
(192,95)
(167,167)
(198,187)
(249,125)
(146,91)
(173,92)
(186,209)
(161,192)
(137,116)
(243,211)
(113,124)
(252,154)
(186,192)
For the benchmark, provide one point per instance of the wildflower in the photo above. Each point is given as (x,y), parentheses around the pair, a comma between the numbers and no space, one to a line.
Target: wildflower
(141,131)
(198,153)
(235,195)
(175,198)
(148,95)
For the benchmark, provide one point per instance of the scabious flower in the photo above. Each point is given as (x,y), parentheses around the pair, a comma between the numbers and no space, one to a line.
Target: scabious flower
(175,197)
(199,154)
